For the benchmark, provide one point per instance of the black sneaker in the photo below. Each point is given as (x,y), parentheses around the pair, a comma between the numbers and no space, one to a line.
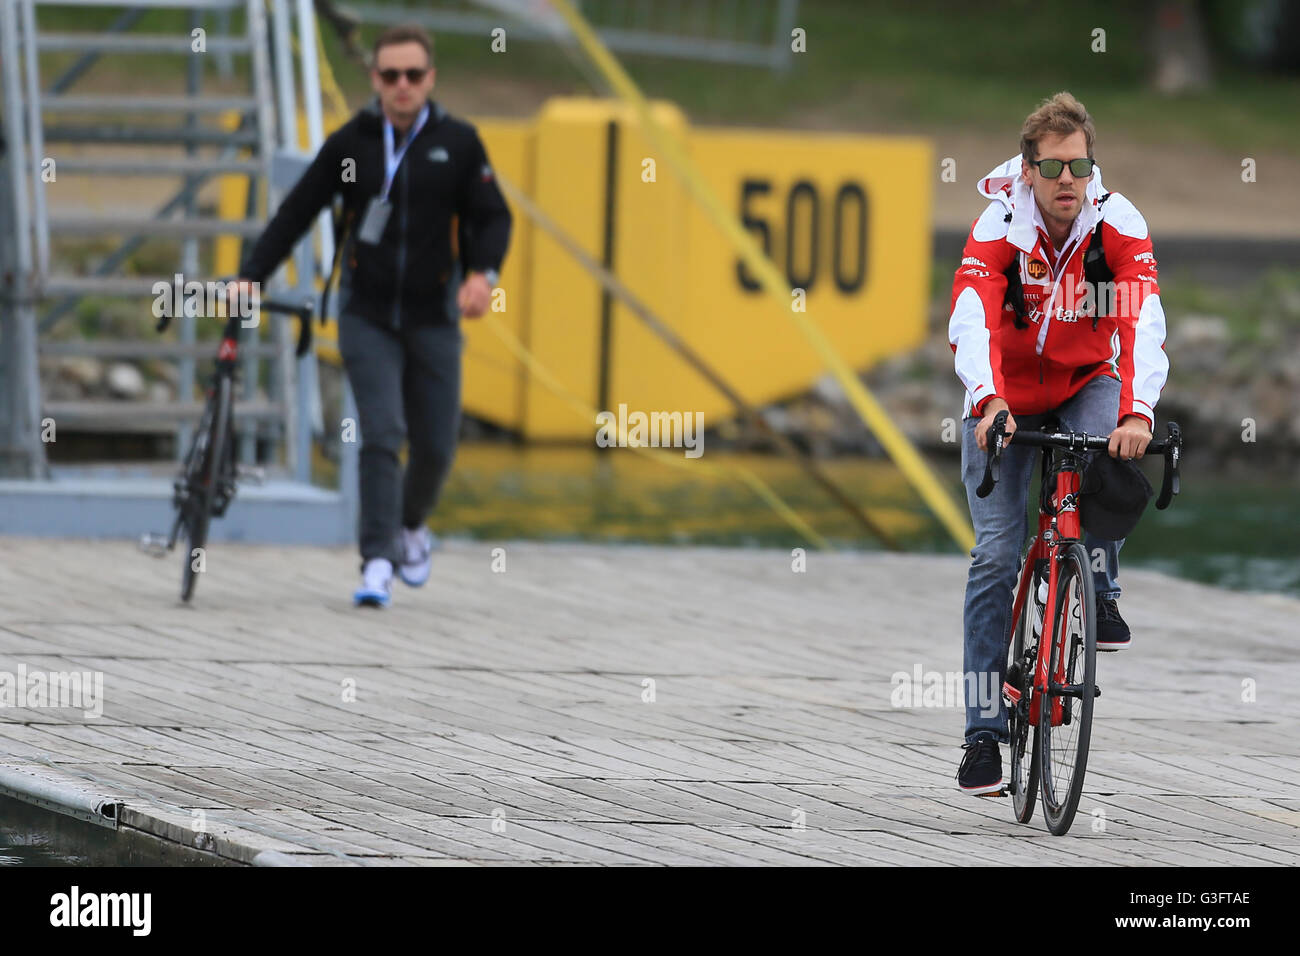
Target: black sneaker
(1112,632)
(980,773)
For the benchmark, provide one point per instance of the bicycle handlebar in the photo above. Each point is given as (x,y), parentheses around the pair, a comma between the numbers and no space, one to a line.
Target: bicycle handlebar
(1170,447)
(304,307)
(303,310)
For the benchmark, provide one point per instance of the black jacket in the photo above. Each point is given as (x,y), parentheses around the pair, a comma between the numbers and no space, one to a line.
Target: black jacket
(403,278)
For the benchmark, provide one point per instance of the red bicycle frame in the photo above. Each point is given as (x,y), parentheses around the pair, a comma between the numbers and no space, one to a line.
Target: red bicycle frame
(1053,530)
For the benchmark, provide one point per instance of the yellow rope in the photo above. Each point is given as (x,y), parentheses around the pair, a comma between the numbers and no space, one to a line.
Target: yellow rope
(329,85)
(760,487)
(338,105)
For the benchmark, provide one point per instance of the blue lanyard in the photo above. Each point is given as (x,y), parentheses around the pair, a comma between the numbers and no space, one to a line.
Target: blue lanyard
(394,159)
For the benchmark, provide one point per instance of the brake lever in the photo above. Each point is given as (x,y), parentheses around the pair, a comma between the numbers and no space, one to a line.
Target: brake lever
(1170,484)
(304,332)
(302,311)
(993,463)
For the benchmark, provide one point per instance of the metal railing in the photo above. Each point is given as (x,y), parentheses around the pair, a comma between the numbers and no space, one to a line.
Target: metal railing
(751,32)
(40,121)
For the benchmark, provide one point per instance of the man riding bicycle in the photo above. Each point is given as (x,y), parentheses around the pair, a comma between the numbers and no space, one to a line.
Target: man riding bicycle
(1035,334)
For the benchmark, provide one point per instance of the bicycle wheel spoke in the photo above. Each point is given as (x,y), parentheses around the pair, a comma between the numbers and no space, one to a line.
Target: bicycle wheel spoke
(1024,745)
(1070,692)
(202,478)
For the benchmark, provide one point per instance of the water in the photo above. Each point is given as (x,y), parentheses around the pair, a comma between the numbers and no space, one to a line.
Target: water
(1221,531)
(31,836)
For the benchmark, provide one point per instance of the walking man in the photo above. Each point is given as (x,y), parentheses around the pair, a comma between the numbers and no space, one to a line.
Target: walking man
(1098,366)
(404,169)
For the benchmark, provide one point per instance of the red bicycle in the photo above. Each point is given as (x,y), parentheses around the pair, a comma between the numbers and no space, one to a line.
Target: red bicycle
(1050,684)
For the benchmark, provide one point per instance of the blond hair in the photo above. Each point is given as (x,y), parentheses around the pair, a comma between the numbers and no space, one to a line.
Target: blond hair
(1061,114)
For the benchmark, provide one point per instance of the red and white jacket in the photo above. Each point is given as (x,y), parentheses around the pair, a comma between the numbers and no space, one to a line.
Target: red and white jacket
(1037,368)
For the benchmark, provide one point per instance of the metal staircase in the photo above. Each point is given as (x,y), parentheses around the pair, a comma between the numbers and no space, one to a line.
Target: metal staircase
(175,141)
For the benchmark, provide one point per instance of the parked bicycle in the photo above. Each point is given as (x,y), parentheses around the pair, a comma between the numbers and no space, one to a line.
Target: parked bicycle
(207,480)
(1051,678)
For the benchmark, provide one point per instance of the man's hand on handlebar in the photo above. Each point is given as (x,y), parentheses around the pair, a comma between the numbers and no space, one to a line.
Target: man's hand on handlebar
(1130,439)
(991,409)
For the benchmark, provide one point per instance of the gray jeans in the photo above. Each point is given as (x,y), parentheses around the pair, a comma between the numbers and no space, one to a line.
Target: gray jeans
(1001,534)
(407,388)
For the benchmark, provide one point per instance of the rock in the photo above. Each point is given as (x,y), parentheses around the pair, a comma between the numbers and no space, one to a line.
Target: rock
(165,371)
(81,370)
(827,389)
(58,389)
(777,418)
(1287,367)
(124,381)
(1289,303)
(1191,333)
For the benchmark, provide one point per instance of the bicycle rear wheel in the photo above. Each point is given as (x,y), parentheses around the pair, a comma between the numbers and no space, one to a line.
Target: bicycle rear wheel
(1064,746)
(205,472)
(1021,655)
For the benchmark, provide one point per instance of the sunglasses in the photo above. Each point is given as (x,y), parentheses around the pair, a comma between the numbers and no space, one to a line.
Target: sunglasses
(413,76)
(1052,168)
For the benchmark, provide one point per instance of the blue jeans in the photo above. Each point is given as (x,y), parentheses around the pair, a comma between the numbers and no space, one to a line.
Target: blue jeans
(1001,533)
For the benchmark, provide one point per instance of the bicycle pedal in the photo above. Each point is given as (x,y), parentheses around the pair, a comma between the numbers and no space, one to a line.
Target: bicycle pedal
(153,544)
(1004,792)
(251,473)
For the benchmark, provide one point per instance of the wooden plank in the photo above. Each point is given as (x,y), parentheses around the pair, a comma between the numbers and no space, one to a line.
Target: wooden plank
(516,699)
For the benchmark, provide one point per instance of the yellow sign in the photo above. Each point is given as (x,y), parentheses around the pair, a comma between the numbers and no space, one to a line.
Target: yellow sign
(845,218)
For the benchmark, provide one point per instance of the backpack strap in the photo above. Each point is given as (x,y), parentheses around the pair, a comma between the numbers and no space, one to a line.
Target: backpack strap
(1095,269)
(341,227)
(1015,294)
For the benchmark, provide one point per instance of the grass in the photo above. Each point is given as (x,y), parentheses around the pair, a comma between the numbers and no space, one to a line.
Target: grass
(873,65)
(1254,314)
(878,66)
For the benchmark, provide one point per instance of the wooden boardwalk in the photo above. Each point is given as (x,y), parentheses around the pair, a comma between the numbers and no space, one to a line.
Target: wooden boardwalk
(504,718)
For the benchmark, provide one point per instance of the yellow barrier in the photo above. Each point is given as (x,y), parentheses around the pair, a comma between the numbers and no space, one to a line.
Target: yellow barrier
(845,214)
(872,414)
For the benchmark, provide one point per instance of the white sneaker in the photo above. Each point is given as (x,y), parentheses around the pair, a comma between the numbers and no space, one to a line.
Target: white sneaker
(417,551)
(376,584)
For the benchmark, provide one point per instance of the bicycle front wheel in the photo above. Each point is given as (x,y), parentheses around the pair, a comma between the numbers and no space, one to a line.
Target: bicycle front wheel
(1065,718)
(1021,656)
(203,488)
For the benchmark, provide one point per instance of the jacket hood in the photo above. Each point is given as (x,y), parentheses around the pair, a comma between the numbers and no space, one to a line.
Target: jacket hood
(1005,185)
